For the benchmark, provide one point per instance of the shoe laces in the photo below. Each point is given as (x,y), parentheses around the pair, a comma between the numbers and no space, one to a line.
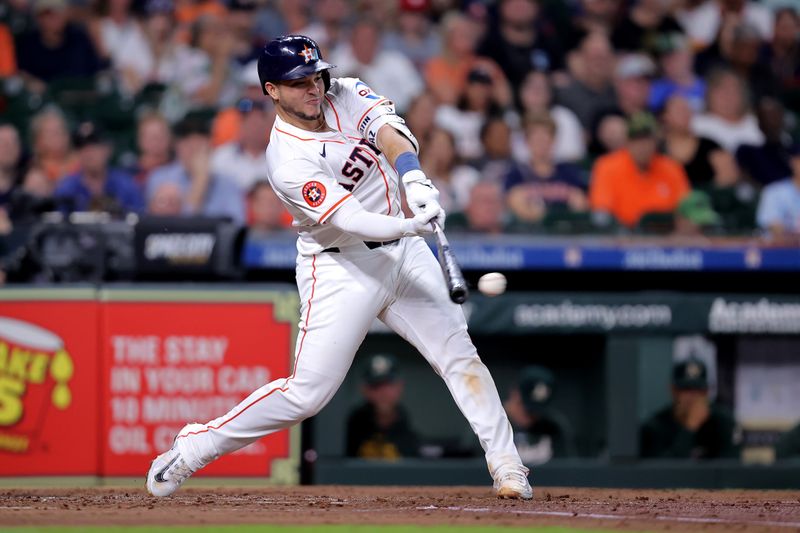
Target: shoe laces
(180,471)
(517,475)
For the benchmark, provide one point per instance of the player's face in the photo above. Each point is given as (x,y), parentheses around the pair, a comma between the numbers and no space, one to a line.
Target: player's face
(302,98)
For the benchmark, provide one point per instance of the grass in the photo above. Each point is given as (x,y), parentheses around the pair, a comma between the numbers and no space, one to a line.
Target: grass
(295,529)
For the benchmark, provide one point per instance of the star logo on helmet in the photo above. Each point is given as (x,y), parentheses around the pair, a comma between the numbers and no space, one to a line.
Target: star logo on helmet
(309,54)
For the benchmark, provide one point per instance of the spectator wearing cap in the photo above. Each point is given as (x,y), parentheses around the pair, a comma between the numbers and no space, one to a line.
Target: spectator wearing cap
(632,82)
(540,185)
(541,432)
(414,36)
(387,72)
(205,192)
(520,41)
(676,58)
(641,25)
(536,97)
(590,90)
(728,120)
(380,428)
(96,186)
(768,162)
(779,206)
(692,427)
(54,49)
(243,160)
(637,179)
(695,215)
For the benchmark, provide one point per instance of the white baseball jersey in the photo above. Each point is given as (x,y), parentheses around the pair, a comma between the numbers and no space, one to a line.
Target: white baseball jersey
(315,173)
(342,292)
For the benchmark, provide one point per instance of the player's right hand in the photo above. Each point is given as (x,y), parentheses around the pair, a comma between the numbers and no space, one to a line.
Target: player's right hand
(420,224)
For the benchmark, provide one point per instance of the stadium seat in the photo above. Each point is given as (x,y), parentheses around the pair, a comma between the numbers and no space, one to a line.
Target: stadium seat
(656,223)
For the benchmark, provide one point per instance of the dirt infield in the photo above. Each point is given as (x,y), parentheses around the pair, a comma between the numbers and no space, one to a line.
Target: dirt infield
(643,510)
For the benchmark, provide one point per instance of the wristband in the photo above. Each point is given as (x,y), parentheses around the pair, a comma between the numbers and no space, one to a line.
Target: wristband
(406,162)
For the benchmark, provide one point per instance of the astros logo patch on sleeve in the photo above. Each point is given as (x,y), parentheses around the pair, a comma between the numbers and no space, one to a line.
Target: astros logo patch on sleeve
(314,193)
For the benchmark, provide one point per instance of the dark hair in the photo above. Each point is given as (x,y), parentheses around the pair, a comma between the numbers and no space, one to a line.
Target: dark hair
(191,126)
(257,186)
(492,119)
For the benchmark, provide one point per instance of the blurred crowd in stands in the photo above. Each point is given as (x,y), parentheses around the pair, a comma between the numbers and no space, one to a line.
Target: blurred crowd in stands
(534,116)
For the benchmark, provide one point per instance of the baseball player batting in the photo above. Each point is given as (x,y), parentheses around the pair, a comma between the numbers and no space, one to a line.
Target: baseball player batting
(337,155)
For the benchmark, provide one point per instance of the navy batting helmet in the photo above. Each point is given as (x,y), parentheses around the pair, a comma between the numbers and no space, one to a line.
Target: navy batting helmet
(291,57)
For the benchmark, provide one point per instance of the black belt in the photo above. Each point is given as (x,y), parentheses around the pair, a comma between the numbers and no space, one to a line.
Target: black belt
(369,244)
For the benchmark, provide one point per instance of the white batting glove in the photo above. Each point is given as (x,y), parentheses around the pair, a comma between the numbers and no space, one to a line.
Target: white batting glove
(421,195)
(420,224)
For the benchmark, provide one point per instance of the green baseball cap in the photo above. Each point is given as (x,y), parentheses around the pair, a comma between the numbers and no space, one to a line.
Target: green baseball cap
(381,368)
(642,125)
(696,207)
(690,374)
(536,387)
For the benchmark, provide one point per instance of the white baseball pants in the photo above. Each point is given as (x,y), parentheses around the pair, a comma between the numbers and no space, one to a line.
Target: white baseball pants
(341,294)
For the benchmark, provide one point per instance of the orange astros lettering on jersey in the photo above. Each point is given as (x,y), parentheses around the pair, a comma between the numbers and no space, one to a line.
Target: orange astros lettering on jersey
(314,193)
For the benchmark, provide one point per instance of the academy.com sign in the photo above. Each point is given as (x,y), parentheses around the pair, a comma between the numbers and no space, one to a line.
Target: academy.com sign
(763,316)
(604,316)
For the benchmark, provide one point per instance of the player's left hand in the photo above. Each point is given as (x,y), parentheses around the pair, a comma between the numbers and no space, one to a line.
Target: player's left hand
(421,195)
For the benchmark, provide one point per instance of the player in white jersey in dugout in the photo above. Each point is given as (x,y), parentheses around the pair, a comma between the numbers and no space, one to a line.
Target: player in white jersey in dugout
(337,156)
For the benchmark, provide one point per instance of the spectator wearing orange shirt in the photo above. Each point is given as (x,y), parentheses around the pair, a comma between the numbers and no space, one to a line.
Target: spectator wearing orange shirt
(446,73)
(636,180)
(228,121)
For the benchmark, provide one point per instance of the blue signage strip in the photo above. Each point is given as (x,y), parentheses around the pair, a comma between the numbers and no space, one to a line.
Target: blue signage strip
(512,253)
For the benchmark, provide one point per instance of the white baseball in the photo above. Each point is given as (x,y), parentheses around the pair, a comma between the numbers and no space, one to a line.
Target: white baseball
(492,284)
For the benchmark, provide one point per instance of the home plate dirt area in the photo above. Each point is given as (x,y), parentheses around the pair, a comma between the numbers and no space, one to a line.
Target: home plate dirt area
(609,509)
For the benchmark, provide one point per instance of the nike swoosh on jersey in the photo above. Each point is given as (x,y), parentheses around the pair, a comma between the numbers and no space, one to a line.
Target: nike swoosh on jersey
(323,150)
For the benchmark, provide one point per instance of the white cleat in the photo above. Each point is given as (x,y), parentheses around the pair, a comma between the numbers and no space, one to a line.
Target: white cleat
(511,482)
(167,473)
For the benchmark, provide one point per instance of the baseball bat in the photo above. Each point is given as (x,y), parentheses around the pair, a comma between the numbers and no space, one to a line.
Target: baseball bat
(456,284)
